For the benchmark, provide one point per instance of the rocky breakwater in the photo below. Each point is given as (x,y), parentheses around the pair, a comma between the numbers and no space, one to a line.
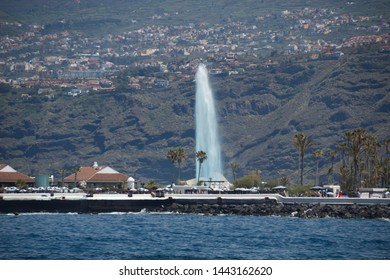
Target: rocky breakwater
(289,210)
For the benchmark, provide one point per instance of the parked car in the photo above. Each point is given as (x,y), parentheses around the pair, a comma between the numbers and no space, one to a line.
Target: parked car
(12,189)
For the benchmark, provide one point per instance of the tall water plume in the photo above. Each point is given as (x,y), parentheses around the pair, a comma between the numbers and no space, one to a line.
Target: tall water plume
(207,132)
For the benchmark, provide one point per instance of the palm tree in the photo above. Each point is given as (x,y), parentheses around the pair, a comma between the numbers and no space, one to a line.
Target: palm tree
(317,154)
(354,148)
(176,155)
(20,184)
(302,142)
(76,170)
(332,155)
(234,166)
(201,156)
(172,156)
(180,156)
(284,181)
(62,172)
(346,178)
(386,142)
(371,147)
(381,172)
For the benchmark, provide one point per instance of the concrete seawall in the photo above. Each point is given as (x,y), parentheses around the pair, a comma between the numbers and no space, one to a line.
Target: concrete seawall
(79,203)
(252,204)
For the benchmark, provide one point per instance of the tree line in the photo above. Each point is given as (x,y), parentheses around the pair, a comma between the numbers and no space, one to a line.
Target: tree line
(179,155)
(363,162)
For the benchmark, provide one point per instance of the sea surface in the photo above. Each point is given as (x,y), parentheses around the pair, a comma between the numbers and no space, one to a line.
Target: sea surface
(167,236)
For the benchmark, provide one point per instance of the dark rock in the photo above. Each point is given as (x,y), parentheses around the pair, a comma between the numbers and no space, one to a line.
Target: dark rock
(295,210)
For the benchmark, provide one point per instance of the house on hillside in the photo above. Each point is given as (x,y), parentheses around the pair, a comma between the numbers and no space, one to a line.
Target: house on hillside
(92,177)
(11,177)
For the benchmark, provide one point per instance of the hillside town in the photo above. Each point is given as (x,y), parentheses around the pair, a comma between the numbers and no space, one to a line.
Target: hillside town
(36,62)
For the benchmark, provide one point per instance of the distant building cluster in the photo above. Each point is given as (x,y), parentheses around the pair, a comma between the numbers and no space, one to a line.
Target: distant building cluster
(70,60)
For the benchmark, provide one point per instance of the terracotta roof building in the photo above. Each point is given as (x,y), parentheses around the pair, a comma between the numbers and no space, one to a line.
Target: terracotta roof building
(96,176)
(9,176)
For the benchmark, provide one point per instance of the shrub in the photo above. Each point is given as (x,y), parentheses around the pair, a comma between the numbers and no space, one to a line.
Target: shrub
(300,191)
(251,180)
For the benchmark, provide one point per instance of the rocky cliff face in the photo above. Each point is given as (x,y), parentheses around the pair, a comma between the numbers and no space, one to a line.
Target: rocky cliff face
(260,111)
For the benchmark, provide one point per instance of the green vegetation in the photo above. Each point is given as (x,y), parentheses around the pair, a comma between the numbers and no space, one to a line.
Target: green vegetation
(201,156)
(176,155)
(318,154)
(251,180)
(332,155)
(302,142)
(300,191)
(234,166)
(75,171)
(20,184)
(151,185)
(363,164)
(4,88)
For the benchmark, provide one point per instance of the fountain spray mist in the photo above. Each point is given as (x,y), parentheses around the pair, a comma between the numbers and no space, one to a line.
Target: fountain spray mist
(207,132)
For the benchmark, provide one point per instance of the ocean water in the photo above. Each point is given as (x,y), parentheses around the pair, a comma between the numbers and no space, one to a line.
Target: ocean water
(149,236)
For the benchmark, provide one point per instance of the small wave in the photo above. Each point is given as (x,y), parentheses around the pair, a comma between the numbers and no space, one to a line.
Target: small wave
(142,212)
(39,213)
(386,219)
(163,213)
(113,213)
(9,214)
(223,215)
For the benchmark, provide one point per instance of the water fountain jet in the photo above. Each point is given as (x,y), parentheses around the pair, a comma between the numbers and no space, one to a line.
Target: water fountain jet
(207,132)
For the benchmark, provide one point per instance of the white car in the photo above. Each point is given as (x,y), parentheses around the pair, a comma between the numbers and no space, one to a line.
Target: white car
(11,189)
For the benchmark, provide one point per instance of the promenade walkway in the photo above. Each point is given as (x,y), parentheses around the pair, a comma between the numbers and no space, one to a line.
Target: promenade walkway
(211,198)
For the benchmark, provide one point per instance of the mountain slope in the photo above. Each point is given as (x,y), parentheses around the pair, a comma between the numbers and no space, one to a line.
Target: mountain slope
(259,114)
(280,82)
